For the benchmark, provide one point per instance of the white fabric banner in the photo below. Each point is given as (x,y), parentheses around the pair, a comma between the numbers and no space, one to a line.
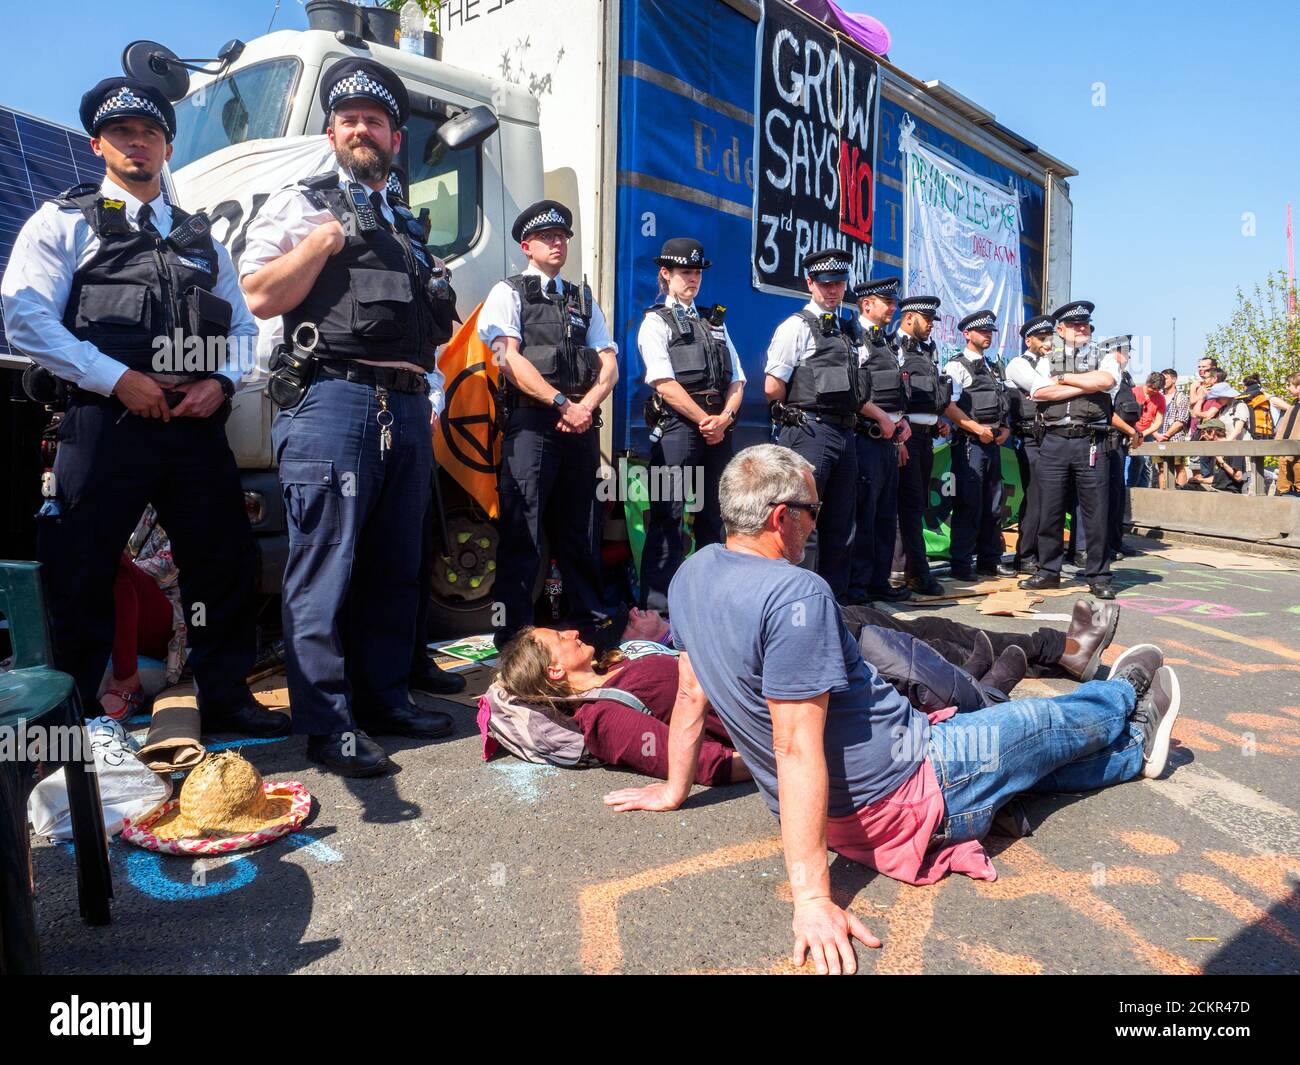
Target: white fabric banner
(962,245)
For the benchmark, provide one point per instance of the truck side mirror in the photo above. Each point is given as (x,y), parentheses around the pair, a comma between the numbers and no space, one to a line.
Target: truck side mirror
(469,128)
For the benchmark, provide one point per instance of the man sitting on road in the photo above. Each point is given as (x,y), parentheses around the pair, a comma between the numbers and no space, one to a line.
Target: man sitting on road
(839,756)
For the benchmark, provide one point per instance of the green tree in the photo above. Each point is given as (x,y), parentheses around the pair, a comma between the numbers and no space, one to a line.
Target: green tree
(1261,336)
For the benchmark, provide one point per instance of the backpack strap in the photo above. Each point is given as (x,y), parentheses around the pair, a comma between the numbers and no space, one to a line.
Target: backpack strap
(616,695)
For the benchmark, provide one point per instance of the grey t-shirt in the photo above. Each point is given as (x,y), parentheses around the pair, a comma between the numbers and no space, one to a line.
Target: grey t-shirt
(758,629)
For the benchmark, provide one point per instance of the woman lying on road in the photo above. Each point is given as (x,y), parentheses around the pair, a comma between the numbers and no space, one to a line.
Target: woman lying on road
(551,670)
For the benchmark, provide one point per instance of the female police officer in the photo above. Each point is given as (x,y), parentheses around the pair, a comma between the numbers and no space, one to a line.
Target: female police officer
(692,365)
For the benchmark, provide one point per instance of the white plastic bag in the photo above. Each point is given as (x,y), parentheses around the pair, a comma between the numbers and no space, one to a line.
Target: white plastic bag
(127,787)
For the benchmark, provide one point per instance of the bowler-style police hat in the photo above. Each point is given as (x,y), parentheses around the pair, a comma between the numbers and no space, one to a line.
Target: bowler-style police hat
(1038,326)
(926,305)
(364,79)
(1074,311)
(984,321)
(885,288)
(831,264)
(683,251)
(544,214)
(126,98)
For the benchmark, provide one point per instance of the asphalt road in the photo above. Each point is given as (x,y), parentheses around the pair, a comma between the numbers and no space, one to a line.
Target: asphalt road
(454,865)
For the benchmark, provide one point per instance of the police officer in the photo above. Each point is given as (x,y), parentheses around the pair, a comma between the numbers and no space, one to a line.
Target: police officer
(559,363)
(115,291)
(365,307)
(979,393)
(1027,428)
(1123,435)
(929,395)
(817,384)
(698,383)
(880,446)
(1075,391)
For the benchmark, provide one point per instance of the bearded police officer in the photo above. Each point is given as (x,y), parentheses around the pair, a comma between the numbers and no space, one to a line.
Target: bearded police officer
(1075,391)
(128,300)
(881,445)
(1027,428)
(817,385)
(1124,434)
(365,307)
(979,393)
(559,363)
(698,383)
(929,394)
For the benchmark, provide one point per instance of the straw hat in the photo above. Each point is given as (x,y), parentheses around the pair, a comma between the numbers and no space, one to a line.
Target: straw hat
(224,805)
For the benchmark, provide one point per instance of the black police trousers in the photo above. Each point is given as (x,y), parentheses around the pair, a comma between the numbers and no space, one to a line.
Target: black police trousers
(977,473)
(1027,519)
(110,464)
(913,500)
(834,459)
(1116,491)
(548,484)
(877,516)
(681,463)
(1064,462)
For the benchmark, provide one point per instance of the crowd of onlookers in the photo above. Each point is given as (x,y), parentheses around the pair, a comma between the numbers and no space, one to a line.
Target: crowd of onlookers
(1214,410)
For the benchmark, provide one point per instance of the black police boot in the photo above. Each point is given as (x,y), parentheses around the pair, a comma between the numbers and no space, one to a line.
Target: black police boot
(247,717)
(929,586)
(961,573)
(852,598)
(1042,579)
(1000,570)
(890,595)
(409,720)
(430,679)
(349,754)
(1101,589)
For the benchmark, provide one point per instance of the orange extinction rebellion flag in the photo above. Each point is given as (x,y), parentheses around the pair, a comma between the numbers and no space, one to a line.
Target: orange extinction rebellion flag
(468,442)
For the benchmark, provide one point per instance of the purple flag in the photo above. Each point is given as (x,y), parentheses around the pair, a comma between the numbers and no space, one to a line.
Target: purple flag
(869,32)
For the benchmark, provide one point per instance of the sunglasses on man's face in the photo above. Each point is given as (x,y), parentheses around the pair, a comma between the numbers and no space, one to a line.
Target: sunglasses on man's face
(812,508)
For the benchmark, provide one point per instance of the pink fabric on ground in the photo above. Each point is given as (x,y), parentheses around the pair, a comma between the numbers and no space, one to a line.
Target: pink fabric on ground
(892,835)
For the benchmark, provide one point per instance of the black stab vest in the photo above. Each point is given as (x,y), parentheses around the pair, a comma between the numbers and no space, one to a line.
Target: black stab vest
(697,349)
(929,390)
(381,297)
(887,391)
(1089,409)
(141,299)
(985,398)
(555,334)
(830,380)
(1126,403)
(1024,408)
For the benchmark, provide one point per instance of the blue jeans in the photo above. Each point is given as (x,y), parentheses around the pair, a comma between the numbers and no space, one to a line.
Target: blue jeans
(1076,742)
(352,578)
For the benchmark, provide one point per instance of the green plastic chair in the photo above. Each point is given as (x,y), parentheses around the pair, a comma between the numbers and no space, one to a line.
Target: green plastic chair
(34,694)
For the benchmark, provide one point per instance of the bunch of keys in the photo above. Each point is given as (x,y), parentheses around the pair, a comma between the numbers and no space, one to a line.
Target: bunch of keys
(1092,453)
(385,419)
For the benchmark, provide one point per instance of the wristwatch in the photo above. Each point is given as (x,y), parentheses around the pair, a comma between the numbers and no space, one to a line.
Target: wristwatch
(227,386)
(559,399)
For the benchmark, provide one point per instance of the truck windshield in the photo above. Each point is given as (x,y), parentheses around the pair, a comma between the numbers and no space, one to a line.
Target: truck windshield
(447,183)
(249,105)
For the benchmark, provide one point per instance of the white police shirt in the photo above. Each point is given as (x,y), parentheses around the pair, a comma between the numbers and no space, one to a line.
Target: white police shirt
(51,246)
(283,223)
(501,314)
(652,341)
(1023,373)
(793,343)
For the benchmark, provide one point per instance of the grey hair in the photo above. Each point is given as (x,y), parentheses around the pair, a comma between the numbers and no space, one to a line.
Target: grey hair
(755,479)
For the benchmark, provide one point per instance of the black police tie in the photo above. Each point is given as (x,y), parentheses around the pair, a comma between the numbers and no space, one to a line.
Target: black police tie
(552,288)
(145,220)
(377,201)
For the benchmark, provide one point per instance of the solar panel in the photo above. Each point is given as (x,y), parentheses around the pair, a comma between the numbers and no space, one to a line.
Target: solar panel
(38,160)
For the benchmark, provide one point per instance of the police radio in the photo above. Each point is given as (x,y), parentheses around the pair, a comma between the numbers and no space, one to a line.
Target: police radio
(362,207)
(190,232)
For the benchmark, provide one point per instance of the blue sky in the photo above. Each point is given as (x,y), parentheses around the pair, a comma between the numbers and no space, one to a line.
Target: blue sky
(1201,123)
